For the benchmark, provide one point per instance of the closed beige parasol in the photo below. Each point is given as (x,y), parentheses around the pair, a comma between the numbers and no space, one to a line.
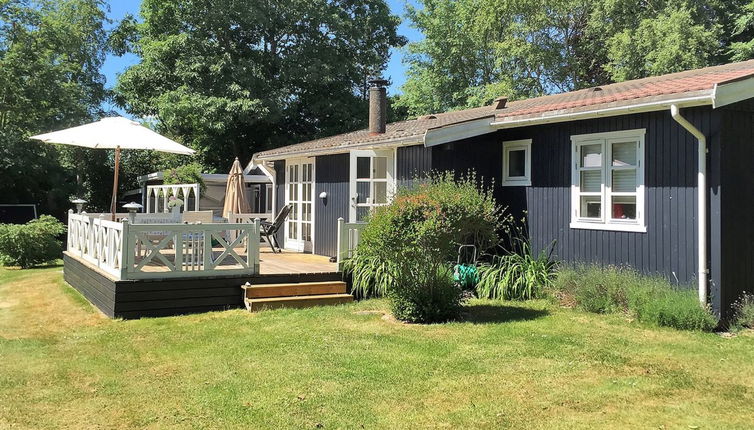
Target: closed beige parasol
(235,192)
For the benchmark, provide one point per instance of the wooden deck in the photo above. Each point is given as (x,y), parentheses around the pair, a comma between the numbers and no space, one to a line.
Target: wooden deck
(174,296)
(287,262)
(293,262)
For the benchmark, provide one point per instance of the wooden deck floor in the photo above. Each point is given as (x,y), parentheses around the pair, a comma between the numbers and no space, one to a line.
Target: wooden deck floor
(287,262)
(293,262)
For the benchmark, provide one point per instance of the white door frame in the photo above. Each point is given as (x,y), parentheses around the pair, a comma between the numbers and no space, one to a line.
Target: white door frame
(299,245)
(391,165)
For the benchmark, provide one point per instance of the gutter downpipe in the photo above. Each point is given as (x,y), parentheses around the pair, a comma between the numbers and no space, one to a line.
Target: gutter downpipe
(701,198)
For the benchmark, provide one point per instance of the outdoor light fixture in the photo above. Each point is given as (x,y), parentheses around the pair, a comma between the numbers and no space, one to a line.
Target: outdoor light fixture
(132,208)
(323,195)
(79,204)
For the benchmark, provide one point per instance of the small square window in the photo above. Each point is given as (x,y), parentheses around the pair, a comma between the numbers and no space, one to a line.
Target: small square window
(362,168)
(517,163)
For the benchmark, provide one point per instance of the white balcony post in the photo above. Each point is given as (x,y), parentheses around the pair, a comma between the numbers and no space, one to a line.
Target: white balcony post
(68,231)
(126,251)
(341,222)
(252,245)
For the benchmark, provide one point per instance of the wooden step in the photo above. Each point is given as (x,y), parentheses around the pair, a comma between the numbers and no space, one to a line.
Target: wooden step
(297,301)
(289,290)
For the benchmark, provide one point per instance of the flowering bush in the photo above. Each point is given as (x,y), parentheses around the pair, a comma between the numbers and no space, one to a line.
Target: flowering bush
(405,249)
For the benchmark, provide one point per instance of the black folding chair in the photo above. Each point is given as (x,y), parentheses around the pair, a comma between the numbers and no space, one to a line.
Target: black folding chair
(269,229)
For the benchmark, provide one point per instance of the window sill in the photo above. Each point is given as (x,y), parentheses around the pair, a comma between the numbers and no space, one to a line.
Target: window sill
(633,228)
(522,183)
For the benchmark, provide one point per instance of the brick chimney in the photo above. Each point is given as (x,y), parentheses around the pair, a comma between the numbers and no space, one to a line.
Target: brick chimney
(377,106)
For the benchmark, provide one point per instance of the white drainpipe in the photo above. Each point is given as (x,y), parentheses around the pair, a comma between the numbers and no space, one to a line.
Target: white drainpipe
(701,188)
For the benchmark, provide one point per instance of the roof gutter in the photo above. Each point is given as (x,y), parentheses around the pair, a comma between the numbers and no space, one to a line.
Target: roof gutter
(702,100)
(701,188)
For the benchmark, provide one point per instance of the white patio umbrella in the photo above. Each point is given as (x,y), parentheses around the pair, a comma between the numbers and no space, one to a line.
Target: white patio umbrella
(235,191)
(114,133)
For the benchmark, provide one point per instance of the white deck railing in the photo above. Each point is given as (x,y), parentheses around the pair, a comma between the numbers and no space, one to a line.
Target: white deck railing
(348,238)
(162,251)
(158,196)
(98,241)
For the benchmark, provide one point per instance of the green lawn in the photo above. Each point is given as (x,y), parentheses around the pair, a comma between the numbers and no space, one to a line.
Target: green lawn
(509,365)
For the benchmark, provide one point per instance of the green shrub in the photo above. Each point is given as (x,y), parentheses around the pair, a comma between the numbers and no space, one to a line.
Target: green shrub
(187,174)
(517,274)
(438,214)
(425,295)
(651,299)
(743,313)
(31,244)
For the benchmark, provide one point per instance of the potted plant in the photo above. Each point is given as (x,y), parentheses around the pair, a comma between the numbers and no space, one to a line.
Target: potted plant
(174,204)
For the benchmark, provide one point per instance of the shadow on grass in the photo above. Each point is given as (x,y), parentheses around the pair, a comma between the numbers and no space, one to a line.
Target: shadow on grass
(41,266)
(490,314)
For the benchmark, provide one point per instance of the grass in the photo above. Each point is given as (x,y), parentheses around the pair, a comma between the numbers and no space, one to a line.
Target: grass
(507,365)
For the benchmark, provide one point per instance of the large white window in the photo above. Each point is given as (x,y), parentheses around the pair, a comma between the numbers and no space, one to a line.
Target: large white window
(607,188)
(372,181)
(517,163)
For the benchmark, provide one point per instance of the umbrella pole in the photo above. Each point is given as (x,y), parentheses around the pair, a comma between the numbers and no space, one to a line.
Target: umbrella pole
(113,202)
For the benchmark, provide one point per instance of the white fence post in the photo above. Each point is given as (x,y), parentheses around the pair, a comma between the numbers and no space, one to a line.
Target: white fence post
(338,251)
(127,246)
(252,246)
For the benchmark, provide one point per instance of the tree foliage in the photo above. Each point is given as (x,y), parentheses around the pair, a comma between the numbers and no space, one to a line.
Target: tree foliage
(231,78)
(51,52)
(476,50)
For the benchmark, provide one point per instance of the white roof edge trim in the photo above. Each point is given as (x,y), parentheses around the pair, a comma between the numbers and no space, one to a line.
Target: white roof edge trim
(454,132)
(614,111)
(266,170)
(403,141)
(732,92)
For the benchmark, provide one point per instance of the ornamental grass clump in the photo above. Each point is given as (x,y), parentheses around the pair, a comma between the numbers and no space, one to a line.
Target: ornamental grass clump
(407,246)
(517,273)
(743,313)
(650,299)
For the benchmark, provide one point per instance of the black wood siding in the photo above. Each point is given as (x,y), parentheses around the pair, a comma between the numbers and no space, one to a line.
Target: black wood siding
(669,245)
(412,161)
(733,205)
(331,176)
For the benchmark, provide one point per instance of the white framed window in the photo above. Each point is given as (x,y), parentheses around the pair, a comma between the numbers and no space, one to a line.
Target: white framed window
(372,181)
(607,186)
(517,163)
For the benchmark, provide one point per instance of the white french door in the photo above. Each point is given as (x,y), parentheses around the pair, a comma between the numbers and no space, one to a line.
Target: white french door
(372,181)
(300,194)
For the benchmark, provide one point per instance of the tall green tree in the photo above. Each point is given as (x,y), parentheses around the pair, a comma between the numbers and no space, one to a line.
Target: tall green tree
(476,50)
(51,52)
(230,78)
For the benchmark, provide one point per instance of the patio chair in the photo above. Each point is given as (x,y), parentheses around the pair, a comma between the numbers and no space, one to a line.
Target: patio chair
(269,229)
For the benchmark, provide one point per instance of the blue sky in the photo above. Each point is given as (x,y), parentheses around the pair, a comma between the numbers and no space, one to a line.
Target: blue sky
(119,8)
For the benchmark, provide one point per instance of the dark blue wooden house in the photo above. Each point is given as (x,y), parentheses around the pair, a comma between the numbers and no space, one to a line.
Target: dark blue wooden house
(654,173)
